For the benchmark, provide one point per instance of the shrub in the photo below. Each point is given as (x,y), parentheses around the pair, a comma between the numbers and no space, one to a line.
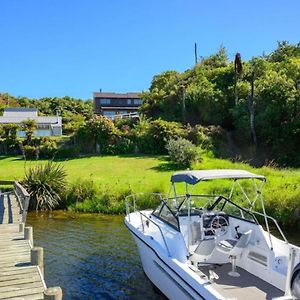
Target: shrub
(151,136)
(67,152)
(48,148)
(97,134)
(30,152)
(80,191)
(198,137)
(45,184)
(182,152)
(125,146)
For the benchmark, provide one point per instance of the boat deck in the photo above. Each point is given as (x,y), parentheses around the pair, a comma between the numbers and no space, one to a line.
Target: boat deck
(247,286)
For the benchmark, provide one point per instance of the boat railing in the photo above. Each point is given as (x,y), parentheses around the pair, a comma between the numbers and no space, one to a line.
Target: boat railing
(133,199)
(274,221)
(159,228)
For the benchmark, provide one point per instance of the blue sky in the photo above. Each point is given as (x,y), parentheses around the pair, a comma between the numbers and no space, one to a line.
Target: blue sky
(75,47)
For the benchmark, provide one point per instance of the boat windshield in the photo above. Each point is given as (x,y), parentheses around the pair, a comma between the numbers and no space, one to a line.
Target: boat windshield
(166,214)
(232,209)
(168,211)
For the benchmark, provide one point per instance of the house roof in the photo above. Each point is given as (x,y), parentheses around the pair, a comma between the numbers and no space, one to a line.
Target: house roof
(39,120)
(193,177)
(20,109)
(18,115)
(117,95)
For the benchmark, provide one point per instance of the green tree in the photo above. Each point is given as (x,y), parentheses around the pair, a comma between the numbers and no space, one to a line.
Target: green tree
(29,126)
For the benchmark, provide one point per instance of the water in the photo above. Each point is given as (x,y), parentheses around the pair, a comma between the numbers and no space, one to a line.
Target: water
(90,256)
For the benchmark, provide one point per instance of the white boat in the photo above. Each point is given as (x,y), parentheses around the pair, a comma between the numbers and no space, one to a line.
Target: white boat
(209,247)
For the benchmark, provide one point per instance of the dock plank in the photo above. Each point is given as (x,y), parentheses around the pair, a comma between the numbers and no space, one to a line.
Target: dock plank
(18,278)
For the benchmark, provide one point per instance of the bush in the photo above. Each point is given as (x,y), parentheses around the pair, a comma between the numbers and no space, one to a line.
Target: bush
(45,184)
(79,192)
(31,152)
(198,137)
(96,135)
(48,148)
(161,131)
(182,152)
(67,152)
(125,146)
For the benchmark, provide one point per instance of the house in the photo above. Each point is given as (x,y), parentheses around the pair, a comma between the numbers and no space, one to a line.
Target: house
(114,104)
(46,126)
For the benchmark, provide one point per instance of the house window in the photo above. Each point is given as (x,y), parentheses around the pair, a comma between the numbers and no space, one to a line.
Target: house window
(109,114)
(43,126)
(122,112)
(128,101)
(104,101)
(138,101)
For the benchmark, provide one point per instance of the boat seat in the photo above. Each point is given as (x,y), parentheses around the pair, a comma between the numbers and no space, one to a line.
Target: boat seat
(226,245)
(234,248)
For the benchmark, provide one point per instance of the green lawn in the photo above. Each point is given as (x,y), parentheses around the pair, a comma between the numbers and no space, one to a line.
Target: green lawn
(141,172)
(152,173)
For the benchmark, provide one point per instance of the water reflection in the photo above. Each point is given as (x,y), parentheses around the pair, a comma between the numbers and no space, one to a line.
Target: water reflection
(90,256)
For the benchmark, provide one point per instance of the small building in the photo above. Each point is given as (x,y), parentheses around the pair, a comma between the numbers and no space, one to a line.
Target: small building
(114,104)
(46,125)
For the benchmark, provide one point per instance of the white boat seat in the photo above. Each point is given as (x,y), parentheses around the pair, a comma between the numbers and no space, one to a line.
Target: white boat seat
(226,245)
(235,247)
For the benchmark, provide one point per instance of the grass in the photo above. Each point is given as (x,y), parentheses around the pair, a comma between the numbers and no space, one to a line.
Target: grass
(152,174)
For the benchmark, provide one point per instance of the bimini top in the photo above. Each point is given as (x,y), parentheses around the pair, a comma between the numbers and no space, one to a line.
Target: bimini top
(193,177)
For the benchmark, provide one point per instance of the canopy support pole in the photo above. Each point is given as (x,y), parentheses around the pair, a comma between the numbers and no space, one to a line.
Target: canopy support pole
(232,189)
(266,219)
(189,215)
(175,195)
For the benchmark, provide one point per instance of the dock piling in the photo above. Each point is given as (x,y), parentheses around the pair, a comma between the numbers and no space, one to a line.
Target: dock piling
(37,258)
(28,234)
(53,293)
(21,227)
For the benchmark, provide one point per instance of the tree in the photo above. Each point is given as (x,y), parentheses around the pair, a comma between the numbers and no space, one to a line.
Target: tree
(29,126)
(238,70)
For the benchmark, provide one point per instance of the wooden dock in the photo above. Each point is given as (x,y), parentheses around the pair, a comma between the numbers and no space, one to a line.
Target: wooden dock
(21,264)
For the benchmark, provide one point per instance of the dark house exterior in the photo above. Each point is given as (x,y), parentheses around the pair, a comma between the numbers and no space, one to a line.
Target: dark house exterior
(114,104)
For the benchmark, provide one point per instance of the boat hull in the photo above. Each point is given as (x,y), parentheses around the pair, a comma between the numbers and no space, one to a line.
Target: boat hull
(162,275)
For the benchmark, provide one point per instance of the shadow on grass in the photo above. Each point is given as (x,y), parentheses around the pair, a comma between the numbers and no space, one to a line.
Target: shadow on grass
(135,156)
(167,166)
(85,156)
(14,157)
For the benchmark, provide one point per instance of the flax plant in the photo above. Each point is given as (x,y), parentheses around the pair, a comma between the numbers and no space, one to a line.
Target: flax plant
(45,184)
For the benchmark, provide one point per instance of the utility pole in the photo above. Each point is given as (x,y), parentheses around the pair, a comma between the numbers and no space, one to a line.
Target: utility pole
(196,55)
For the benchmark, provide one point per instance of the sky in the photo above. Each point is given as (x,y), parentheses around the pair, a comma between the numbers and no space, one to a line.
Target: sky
(73,47)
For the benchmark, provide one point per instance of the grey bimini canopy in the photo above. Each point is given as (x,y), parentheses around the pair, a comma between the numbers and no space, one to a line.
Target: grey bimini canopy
(193,177)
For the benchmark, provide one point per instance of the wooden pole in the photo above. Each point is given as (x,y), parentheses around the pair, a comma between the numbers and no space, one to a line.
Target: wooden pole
(37,258)
(28,234)
(53,293)
(21,227)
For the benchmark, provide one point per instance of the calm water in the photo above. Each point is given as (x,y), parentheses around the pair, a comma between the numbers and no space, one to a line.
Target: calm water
(90,256)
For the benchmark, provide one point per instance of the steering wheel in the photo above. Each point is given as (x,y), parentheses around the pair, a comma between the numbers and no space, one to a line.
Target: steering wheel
(219,225)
